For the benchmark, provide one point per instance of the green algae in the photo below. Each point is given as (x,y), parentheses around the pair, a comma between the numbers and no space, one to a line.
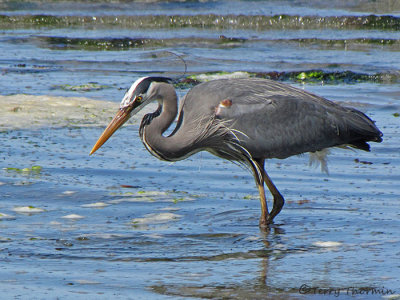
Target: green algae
(127,43)
(307,76)
(313,75)
(361,44)
(344,42)
(229,40)
(26,171)
(93,44)
(176,200)
(328,77)
(112,44)
(259,22)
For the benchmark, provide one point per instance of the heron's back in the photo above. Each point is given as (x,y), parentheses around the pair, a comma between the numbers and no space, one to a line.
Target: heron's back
(275,120)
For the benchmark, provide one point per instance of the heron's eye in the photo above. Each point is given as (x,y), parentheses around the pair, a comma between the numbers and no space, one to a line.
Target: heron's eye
(139,99)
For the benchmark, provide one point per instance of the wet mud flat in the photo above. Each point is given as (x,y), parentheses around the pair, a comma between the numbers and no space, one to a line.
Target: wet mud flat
(122,223)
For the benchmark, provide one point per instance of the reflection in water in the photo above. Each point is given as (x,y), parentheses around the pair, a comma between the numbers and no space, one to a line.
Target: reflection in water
(250,283)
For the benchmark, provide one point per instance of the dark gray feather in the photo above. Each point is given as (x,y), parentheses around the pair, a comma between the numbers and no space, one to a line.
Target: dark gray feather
(276,120)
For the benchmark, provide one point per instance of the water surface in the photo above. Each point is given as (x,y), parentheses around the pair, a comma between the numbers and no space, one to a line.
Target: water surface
(123,224)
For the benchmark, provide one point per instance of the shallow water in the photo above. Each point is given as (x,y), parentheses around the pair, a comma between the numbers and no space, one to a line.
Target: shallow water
(123,224)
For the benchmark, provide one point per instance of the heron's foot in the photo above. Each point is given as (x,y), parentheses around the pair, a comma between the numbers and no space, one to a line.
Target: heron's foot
(279,201)
(265,222)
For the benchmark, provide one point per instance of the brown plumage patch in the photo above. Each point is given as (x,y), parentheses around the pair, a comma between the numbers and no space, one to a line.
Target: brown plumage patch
(226,103)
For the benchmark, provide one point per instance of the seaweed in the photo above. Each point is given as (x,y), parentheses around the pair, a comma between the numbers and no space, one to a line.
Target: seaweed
(93,44)
(330,77)
(258,22)
(307,76)
(26,171)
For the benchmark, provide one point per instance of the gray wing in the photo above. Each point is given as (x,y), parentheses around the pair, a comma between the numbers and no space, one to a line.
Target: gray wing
(272,119)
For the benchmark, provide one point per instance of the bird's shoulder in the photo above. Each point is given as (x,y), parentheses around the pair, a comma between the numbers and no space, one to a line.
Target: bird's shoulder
(251,98)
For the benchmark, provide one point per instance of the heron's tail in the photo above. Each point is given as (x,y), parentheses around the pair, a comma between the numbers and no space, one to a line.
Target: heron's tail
(361,130)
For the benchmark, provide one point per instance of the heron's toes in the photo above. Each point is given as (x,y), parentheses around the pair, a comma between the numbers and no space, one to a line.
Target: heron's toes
(266,222)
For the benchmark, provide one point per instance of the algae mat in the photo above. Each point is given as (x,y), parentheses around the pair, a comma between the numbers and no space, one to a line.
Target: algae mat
(30,111)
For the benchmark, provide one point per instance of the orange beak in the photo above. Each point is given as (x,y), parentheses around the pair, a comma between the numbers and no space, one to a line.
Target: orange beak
(120,118)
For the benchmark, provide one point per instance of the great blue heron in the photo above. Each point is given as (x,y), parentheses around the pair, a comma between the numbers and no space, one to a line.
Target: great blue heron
(243,120)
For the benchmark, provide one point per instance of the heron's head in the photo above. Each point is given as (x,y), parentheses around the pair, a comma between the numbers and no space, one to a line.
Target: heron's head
(138,96)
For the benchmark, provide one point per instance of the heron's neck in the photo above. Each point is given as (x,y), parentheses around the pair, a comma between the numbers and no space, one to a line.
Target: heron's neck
(152,131)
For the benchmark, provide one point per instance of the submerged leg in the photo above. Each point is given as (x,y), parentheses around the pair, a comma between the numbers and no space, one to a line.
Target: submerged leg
(279,201)
(265,217)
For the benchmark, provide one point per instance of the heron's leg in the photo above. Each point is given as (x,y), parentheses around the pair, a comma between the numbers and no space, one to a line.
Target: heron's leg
(279,201)
(265,217)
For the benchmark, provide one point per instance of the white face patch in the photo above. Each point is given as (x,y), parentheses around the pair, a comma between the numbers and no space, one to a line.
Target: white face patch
(129,95)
